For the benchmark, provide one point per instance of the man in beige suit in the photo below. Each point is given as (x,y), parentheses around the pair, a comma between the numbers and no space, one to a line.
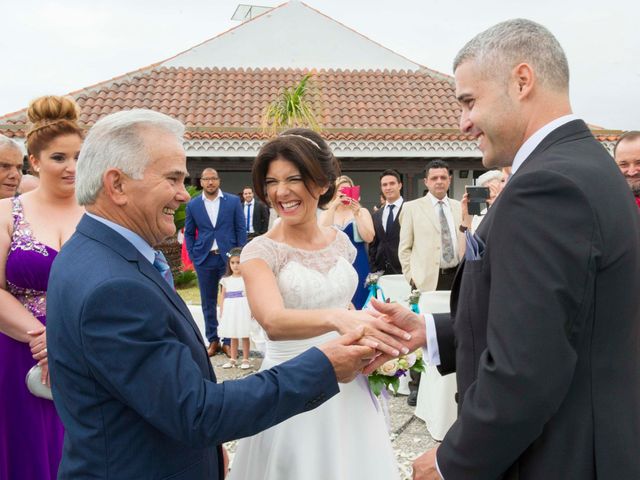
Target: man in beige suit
(430,233)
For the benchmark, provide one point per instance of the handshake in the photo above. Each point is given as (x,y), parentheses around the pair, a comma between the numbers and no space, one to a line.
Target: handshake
(371,337)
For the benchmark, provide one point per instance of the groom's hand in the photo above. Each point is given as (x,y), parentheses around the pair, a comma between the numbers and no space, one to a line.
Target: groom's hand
(347,357)
(403,318)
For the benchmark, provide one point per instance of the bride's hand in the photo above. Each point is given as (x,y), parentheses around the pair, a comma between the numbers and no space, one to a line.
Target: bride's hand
(378,334)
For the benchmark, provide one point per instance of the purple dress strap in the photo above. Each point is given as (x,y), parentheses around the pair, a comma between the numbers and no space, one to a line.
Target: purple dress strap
(31,433)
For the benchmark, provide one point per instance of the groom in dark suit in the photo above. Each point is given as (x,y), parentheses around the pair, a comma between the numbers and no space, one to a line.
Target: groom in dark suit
(544,331)
(132,381)
(217,218)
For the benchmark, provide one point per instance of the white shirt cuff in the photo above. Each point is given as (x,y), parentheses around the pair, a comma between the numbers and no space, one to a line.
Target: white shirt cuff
(431,352)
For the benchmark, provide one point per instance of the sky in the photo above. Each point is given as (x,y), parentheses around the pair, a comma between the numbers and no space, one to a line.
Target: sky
(56,47)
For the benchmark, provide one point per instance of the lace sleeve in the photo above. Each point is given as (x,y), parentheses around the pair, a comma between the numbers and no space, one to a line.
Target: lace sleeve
(345,247)
(262,248)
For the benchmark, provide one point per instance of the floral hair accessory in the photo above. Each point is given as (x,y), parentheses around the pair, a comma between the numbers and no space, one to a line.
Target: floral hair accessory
(234,252)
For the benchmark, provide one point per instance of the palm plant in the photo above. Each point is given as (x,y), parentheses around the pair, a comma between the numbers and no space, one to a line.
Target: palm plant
(292,108)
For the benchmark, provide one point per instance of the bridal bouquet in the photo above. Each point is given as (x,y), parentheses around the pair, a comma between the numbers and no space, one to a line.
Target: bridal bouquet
(388,374)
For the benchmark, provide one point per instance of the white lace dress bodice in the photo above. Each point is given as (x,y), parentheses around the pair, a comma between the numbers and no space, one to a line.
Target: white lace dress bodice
(307,279)
(344,438)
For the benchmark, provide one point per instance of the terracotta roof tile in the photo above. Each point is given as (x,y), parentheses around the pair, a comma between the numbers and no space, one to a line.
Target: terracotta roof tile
(228,103)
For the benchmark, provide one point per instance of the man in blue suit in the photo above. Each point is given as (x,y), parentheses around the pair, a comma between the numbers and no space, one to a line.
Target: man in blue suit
(220,224)
(132,381)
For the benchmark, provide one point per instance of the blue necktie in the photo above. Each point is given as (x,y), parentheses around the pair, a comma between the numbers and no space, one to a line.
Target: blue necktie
(389,224)
(248,216)
(161,264)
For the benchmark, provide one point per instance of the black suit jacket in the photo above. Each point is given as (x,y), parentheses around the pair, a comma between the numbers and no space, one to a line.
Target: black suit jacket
(383,251)
(545,339)
(260,216)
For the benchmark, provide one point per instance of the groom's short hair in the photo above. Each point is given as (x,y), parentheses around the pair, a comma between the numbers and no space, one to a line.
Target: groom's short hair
(500,48)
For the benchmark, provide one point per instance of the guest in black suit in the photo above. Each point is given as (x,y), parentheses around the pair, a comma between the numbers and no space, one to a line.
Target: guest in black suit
(383,250)
(256,214)
(544,331)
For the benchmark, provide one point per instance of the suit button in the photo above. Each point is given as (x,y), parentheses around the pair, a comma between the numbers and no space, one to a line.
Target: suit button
(455,397)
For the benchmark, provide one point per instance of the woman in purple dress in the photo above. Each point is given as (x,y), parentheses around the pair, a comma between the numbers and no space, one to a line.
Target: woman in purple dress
(33,227)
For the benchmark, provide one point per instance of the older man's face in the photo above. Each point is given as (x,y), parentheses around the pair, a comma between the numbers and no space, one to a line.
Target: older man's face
(489,114)
(153,200)
(10,171)
(628,159)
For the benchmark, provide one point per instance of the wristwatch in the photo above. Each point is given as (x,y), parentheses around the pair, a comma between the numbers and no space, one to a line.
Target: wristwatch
(463,229)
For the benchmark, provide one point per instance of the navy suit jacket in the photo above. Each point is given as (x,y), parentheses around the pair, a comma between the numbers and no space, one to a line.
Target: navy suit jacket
(545,338)
(230,230)
(131,378)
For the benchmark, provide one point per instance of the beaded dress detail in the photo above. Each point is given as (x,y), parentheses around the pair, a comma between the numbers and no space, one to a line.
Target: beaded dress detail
(31,434)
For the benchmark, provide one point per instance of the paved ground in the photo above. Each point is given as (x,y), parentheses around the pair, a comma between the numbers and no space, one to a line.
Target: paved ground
(409,435)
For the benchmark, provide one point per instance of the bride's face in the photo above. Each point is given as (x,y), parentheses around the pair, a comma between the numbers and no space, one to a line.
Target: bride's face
(288,194)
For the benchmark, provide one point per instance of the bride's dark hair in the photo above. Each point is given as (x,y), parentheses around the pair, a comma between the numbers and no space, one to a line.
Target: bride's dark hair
(308,152)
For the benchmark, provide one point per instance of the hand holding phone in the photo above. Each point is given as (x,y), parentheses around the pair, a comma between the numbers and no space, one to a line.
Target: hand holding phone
(477,197)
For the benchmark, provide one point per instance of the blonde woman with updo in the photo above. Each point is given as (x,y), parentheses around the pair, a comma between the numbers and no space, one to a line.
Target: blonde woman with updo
(33,228)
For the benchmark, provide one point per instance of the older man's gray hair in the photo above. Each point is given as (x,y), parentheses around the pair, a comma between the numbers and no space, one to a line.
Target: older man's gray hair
(10,144)
(116,141)
(487,177)
(500,48)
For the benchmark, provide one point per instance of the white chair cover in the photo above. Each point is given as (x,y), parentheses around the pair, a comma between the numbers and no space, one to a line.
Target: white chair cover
(436,404)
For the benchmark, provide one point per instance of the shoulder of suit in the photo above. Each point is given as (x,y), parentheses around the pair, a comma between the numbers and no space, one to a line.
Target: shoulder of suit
(230,196)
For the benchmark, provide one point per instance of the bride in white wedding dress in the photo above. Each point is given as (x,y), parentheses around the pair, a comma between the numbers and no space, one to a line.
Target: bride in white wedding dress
(299,282)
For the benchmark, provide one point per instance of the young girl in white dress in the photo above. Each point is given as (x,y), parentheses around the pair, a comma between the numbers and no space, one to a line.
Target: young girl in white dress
(300,280)
(235,316)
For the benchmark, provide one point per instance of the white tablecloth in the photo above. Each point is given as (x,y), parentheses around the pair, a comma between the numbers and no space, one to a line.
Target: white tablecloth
(436,403)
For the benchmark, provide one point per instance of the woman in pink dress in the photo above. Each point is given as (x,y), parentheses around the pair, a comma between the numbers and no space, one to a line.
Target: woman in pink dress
(33,227)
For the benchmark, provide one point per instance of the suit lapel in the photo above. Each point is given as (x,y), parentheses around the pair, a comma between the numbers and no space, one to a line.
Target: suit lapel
(203,212)
(121,246)
(430,212)
(570,131)
(152,274)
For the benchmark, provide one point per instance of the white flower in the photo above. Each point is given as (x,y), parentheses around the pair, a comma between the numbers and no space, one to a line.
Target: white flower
(411,359)
(389,368)
(418,354)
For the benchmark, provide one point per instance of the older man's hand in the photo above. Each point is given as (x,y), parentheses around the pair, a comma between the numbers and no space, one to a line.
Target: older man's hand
(424,467)
(347,357)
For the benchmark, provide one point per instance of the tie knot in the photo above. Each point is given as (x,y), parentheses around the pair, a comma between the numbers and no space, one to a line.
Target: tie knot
(391,205)
(160,262)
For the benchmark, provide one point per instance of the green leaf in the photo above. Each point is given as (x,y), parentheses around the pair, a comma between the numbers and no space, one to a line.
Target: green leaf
(377,383)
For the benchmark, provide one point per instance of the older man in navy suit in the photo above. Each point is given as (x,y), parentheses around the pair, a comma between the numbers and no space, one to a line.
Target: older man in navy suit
(218,218)
(132,381)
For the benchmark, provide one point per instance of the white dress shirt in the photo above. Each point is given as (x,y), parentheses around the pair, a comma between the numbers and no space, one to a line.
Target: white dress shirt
(385,213)
(213,208)
(246,211)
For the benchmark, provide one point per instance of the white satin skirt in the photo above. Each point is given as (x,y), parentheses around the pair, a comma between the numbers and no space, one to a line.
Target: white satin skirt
(344,438)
